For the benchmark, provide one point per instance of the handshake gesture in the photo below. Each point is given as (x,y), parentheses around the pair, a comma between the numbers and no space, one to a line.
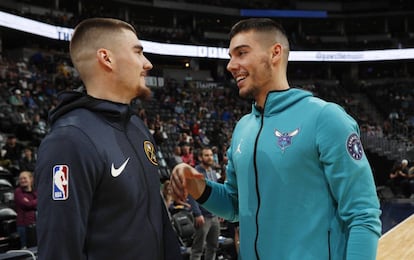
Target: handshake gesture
(186,180)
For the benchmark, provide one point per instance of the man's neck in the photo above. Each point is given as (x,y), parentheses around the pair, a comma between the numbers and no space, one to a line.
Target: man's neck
(206,167)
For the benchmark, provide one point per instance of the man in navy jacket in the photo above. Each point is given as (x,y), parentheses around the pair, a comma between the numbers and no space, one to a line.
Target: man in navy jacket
(97,173)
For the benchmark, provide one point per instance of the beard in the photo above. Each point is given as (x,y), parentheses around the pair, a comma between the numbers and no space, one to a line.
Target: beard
(246,95)
(247,92)
(144,93)
(258,78)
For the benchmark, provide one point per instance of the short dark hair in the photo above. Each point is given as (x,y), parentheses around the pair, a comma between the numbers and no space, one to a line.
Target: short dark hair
(92,29)
(92,34)
(257,24)
(202,149)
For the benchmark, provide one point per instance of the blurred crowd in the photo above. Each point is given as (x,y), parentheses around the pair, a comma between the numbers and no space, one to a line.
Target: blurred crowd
(180,116)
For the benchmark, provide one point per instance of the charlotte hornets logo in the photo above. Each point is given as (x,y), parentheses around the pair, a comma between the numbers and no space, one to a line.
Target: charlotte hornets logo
(354,147)
(285,139)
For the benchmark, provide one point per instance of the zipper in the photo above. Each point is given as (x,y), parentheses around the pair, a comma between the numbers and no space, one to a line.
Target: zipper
(329,245)
(257,187)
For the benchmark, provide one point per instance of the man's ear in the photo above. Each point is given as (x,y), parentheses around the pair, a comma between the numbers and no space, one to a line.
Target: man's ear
(104,57)
(277,50)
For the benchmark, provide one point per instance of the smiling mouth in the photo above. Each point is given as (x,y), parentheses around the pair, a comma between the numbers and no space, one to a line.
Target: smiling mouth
(240,78)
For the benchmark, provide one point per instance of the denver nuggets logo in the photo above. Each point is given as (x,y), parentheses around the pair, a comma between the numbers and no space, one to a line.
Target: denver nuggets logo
(354,147)
(285,139)
(150,152)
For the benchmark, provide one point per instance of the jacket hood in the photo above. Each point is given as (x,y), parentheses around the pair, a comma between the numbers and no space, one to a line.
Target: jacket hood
(277,101)
(71,100)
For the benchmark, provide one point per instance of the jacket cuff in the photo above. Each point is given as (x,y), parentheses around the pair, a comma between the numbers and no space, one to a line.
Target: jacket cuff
(205,195)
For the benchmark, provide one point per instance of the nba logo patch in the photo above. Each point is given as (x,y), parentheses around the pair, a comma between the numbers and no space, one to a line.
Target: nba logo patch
(60,189)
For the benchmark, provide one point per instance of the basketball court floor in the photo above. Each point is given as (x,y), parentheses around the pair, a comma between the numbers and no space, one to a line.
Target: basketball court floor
(397,230)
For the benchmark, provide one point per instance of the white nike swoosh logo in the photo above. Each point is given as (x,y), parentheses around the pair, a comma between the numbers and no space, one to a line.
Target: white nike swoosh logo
(116,172)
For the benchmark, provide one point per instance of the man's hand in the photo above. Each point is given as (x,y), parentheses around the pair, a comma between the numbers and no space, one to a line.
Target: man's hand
(199,221)
(186,180)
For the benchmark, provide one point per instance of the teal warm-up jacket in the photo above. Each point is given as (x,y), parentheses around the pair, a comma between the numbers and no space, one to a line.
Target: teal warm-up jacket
(299,183)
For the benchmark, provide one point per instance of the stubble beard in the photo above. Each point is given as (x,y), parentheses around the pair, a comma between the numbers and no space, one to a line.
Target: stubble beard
(247,93)
(253,89)
(144,93)
(208,163)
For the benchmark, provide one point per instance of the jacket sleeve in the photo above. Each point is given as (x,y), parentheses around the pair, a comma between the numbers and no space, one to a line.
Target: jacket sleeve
(351,181)
(61,224)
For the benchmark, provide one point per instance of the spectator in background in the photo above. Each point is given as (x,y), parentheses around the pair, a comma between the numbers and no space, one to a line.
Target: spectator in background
(29,101)
(206,223)
(222,154)
(195,127)
(178,108)
(201,140)
(398,179)
(226,115)
(185,139)
(217,163)
(16,98)
(13,150)
(166,193)
(38,129)
(21,123)
(187,154)
(28,161)
(176,158)
(25,199)
(157,131)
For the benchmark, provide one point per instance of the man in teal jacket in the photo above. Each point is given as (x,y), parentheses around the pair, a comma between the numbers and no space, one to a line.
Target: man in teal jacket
(297,177)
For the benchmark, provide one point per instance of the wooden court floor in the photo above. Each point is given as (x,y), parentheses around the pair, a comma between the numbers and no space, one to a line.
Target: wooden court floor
(397,240)
(398,243)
